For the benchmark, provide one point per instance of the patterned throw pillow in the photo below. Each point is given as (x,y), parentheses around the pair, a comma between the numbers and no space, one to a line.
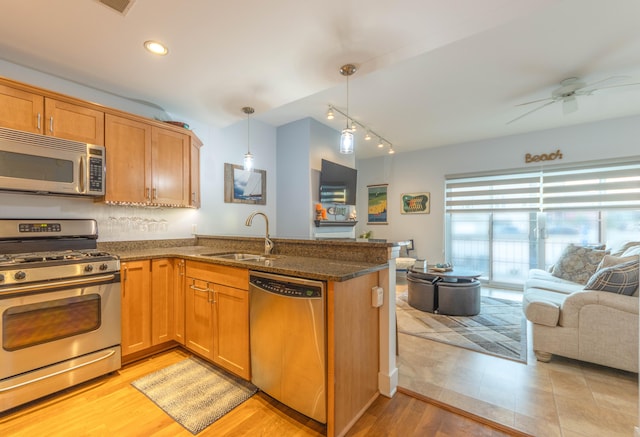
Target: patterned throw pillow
(621,279)
(578,264)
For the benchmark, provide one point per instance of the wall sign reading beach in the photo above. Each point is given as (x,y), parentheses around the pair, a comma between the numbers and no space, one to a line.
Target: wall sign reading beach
(377,204)
(244,186)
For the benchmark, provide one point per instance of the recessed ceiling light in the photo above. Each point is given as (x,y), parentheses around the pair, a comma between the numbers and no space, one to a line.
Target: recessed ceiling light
(156,48)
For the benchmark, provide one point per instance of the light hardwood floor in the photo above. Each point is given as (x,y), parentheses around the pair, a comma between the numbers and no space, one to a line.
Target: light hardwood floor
(110,406)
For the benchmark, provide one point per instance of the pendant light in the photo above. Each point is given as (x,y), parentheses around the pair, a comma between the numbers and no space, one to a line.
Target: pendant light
(248,157)
(347,139)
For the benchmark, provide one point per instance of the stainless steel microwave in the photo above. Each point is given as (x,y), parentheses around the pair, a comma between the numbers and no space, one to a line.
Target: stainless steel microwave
(41,164)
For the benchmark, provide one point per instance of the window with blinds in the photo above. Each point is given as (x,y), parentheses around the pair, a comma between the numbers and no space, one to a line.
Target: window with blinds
(601,186)
(505,224)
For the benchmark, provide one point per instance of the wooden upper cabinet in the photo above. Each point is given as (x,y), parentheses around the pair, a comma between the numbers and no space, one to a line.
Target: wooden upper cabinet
(146,164)
(194,161)
(73,122)
(128,150)
(170,167)
(32,112)
(21,110)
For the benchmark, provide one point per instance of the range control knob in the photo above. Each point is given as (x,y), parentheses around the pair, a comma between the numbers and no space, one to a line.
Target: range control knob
(88,268)
(20,275)
(1,277)
(104,267)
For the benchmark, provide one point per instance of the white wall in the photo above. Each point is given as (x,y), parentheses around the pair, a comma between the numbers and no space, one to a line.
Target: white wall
(220,146)
(302,145)
(425,170)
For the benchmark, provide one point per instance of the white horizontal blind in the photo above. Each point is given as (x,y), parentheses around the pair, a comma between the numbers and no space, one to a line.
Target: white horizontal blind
(594,186)
(509,192)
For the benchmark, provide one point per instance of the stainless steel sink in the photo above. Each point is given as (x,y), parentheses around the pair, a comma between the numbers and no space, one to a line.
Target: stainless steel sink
(239,256)
(236,256)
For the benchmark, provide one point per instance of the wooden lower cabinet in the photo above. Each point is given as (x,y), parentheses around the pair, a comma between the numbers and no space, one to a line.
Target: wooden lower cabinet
(217,315)
(179,299)
(136,306)
(147,304)
(162,301)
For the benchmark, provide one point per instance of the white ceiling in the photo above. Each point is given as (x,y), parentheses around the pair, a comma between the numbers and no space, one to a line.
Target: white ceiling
(430,72)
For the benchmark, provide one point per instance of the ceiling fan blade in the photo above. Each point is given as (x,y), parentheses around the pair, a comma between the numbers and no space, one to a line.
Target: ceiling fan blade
(532,111)
(589,88)
(569,105)
(535,101)
(614,86)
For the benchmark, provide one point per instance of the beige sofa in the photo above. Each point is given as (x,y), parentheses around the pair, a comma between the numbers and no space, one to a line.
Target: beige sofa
(590,325)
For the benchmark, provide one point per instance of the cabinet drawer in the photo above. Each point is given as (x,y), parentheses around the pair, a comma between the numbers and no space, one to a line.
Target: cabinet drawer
(225,275)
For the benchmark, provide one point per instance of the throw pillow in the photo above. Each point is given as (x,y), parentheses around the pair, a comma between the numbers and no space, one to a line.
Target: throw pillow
(578,264)
(633,250)
(625,246)
(610,260)
(620,279)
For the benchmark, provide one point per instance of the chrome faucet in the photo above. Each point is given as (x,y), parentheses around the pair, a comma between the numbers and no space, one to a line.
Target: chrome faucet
(268,244)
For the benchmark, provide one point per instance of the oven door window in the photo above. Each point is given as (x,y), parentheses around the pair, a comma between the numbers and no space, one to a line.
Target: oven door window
(32,324)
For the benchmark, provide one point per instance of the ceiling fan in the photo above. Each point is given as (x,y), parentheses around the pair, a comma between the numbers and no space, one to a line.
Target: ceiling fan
(569,89)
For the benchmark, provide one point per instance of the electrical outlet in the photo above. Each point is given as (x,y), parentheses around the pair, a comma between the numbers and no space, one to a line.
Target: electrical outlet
(194,228)
(377,296)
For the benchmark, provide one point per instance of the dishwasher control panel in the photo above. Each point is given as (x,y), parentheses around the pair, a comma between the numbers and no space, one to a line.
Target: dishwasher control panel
(286,288)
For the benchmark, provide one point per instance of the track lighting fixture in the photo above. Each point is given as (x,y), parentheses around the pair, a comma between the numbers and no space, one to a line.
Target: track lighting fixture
(248,157)
(347,137)
(330,115)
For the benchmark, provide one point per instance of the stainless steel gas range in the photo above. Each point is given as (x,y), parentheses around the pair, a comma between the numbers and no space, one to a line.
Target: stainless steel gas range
(59,308)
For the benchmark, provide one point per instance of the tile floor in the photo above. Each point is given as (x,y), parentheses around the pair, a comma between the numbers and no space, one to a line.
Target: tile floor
(564,397)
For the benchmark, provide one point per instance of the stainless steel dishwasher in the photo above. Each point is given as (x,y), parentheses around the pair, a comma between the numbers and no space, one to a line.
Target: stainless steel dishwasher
(288,348)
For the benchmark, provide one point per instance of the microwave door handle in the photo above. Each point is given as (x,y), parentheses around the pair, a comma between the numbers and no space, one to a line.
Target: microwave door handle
(82,175)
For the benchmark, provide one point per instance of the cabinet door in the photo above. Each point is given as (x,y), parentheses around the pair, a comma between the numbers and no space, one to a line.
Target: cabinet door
(162,297)
(199,317)
(170,167)
(231,330)
(194,161)
(21,110)
(179,301)
(136,306)
(128,148)
(73,122)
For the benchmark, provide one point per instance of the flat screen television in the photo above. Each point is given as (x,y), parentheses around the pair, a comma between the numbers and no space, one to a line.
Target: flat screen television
(337,183)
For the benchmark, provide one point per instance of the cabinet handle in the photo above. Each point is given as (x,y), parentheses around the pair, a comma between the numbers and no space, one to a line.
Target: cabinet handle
(39,121)
(155,193)
(124,279)
(51,124)
(205,290)
(147,193)
(212,293)
(193,197)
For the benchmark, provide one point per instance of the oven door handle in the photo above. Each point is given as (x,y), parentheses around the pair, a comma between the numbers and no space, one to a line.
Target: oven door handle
(59,372)
(58,284)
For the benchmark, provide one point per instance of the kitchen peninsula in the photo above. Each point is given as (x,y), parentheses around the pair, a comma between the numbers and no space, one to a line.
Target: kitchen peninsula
(360,337)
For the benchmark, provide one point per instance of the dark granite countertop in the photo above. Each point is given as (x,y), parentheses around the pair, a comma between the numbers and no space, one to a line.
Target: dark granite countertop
(292,265)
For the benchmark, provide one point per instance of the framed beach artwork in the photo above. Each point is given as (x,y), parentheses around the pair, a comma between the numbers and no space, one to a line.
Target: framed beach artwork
(244,186)
(377,204)
(415,203)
